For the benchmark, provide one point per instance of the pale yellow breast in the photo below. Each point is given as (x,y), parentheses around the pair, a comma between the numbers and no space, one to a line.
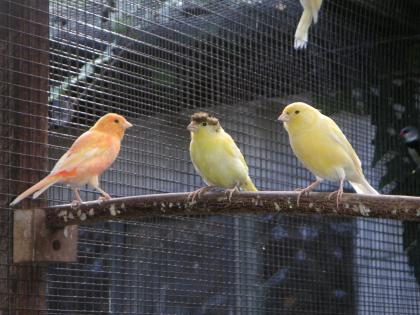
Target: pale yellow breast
(318,151)
(215,164)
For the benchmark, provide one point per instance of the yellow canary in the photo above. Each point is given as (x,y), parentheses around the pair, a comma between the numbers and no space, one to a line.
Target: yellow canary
(309,14)
(216,157)
(89,156)
(321,147)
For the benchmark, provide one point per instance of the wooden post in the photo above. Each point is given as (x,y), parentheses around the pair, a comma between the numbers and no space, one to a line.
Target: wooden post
(4,160)
(24,111)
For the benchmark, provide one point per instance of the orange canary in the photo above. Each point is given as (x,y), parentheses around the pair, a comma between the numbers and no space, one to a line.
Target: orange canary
(89,156)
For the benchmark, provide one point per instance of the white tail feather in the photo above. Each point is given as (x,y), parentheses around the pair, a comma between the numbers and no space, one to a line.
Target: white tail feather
(39,192)
(315,15)
(36,189)
(364,188)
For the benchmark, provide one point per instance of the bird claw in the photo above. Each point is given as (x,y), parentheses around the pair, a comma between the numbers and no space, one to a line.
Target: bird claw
(302,191)
(339,194)
(104,197)
(76,203)
(192,195)
(230,192)
(196,194)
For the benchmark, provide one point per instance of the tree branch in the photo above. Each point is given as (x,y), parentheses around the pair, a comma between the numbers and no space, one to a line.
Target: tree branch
(382,206)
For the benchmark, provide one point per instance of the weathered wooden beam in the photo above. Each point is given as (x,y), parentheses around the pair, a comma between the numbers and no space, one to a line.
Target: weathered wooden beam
(27,108)
(24,60)
(354,205)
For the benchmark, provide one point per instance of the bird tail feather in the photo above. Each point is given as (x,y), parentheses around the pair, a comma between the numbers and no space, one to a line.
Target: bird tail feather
(249,185)
(315,15)
(37,189)
(363,187)
(315,9)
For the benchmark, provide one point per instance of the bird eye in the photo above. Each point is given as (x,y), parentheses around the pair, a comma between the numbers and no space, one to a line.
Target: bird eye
(204,124)
(116,121)
(297,112)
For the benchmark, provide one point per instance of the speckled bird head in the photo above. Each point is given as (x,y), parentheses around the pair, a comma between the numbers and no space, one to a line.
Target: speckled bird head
(203,123)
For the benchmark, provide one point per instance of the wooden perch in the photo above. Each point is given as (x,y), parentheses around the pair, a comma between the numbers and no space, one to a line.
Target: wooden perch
(382,206)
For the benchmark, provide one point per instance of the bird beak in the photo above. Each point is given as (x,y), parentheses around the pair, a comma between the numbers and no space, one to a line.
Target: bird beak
(127,125)
(284,117)
(192,127)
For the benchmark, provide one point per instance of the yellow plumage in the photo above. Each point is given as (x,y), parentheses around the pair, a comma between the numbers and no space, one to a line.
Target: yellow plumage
(322,147)
(215,155)
(309,14)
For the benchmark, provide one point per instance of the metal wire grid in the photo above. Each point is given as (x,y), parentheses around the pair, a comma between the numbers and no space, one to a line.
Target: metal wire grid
(157,62)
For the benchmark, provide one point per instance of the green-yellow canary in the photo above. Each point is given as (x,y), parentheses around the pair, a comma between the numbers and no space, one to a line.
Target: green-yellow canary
(216,157)
(321,147)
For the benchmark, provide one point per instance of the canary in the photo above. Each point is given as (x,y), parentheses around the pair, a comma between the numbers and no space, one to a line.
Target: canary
(89,156)
(309,14)
(216,157)
(321,147)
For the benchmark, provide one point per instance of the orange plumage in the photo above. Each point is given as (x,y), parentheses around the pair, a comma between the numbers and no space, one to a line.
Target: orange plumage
(89,156)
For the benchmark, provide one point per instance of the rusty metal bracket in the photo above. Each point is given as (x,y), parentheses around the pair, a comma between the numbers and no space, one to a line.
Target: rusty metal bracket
(33,242)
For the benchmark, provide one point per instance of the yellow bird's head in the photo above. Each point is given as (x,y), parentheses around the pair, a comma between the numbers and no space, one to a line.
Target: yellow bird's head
(112,124)
(203,124)
(298,115)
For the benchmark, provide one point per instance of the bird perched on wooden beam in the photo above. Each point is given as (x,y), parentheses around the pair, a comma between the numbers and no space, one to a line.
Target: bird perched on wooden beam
(216,157)
(321,147)
(309,14)
(411,138)
(89,156)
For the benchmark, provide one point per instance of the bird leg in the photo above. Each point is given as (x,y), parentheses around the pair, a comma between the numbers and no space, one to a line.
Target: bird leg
(196,194)
(77,201)
(105,195)
(229,192)
(306,190)
(338,192)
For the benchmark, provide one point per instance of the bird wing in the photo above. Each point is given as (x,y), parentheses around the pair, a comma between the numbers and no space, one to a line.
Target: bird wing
(89,147)
(233,150)
(338,136)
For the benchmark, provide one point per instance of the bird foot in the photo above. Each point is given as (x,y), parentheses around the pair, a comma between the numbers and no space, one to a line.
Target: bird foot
(76,203)
(339,194)
(196,194)
(306,190)
(302,191)
(105,197)
(230,192)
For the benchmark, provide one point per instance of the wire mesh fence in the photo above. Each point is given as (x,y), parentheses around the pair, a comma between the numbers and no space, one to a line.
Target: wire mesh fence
(65,63)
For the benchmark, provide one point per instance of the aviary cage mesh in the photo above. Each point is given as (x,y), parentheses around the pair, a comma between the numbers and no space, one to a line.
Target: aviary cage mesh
(157,62)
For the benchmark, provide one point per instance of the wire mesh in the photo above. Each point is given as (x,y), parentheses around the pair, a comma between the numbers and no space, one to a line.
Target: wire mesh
(157,62)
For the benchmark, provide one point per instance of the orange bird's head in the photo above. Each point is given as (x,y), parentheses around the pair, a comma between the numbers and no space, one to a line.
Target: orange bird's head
(113,124)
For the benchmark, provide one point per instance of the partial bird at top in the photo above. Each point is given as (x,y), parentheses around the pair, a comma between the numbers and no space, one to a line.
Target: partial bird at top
(309,14)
